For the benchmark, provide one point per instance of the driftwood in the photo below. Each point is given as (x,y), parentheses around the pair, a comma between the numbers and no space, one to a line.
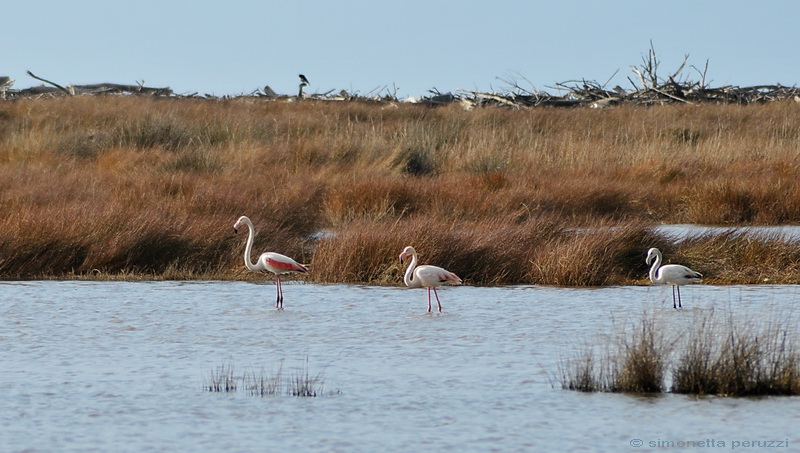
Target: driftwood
(649,88)
(74,90)
(5,85)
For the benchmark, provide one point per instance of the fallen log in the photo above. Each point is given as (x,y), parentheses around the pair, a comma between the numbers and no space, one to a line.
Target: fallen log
(115,88)
(88,89)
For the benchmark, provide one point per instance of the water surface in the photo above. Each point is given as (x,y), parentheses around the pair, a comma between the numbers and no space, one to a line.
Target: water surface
(109,366)
(788,233)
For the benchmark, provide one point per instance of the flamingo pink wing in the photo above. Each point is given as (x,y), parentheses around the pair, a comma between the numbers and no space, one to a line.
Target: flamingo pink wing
(430,275)
(281,264)
(449,277)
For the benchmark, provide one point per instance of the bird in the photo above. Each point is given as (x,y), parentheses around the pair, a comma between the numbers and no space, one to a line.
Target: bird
(670,274)
(426,276)
(303,83)
(270,261)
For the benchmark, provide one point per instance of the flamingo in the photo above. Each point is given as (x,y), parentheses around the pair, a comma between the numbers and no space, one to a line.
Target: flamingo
(271,262)
(426,276)
(670,274)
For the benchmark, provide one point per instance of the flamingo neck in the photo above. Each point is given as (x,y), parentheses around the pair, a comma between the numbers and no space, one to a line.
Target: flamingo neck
(249,246)
(408,278)
(654,277)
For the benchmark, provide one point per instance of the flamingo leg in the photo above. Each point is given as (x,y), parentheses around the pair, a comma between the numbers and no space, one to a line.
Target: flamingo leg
(679,297)
(673,297)
(279,289)
(437,299)
(429,299)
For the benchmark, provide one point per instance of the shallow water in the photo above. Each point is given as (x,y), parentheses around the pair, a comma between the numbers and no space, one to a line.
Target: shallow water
(788,233)
(108,366)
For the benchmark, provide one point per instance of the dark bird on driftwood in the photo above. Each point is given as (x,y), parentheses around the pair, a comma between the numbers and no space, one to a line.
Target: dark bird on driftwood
(303,83)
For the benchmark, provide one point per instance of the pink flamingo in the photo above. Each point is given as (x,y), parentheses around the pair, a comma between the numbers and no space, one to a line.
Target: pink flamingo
(429,277)
(670,274)
(271,262)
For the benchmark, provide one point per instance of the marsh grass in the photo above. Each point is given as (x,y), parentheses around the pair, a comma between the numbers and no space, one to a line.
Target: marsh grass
(487,252)
(730,258)
(264,384)
(300,383)
(730,358)
(304,384)
(739,358)
(633,362)
(644,354)
(592,256)
(222,379)
(586,372)
(119,186)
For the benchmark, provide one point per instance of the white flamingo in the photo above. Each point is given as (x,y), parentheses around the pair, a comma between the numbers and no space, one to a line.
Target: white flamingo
(271,262)
(670,274)
(426,276)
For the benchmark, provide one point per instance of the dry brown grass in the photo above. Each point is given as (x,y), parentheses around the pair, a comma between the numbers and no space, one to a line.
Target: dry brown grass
(635,360)
(586,373)
(644,357)
(483,253)
(151,186)
(736,258)
(741,358)
(593,256)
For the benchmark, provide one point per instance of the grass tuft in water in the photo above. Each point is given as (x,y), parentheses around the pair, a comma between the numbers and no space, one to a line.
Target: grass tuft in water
(715,358)
(583,373)
(221,379)
(644,355)
(264,384)
(637,366)
(738,359)
(302,383)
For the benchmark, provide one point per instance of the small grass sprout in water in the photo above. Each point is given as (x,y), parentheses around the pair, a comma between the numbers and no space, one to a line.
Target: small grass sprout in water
(301,383)
(221,379)
(264,384)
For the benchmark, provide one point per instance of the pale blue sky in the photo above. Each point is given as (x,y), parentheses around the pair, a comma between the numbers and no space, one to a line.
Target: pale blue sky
(237,46)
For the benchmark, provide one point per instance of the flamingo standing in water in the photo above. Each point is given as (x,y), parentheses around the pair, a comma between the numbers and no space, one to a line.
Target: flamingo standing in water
(670,274)
(271,262)
(426,276)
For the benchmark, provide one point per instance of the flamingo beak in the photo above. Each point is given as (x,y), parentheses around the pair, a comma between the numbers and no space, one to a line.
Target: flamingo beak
(235,230)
